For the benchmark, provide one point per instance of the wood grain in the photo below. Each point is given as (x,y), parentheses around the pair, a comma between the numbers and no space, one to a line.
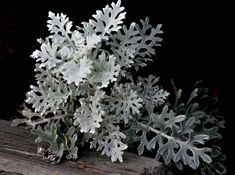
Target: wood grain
(18,156)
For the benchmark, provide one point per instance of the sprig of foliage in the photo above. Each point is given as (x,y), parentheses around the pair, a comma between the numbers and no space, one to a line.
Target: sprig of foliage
(85,93)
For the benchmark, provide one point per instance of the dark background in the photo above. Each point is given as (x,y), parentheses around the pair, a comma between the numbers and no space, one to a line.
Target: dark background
(197,45)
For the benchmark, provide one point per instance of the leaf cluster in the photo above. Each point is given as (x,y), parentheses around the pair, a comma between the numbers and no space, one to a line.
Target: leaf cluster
(86,94)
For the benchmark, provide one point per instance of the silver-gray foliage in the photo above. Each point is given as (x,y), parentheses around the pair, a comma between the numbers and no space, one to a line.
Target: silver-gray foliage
(85,93)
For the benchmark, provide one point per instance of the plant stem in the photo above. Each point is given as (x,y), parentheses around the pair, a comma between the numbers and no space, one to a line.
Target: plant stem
(46,120)
(161,133)
(156,131)
(95,53)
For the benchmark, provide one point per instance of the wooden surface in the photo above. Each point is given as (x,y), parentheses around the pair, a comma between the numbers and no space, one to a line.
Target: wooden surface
(18,156)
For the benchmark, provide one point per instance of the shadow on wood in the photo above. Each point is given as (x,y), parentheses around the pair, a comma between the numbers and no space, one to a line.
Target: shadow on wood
(18,156)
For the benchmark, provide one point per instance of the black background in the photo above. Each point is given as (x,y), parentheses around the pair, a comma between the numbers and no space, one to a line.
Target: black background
(196,45)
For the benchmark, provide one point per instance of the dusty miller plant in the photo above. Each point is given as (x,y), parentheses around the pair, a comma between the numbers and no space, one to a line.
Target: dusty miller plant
(86,94)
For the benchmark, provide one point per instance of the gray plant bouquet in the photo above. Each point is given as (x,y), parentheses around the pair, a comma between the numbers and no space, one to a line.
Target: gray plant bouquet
(86,94)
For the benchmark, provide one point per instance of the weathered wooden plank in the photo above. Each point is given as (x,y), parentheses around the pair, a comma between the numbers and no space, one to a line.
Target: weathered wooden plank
(18,155)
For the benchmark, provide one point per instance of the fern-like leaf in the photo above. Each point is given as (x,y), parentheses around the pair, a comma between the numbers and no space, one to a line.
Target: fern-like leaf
(108,20)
